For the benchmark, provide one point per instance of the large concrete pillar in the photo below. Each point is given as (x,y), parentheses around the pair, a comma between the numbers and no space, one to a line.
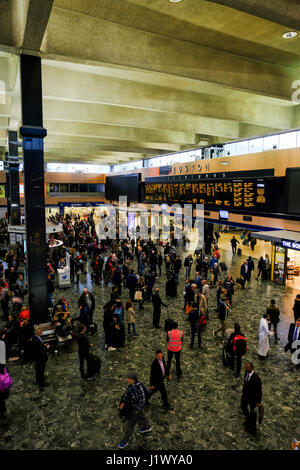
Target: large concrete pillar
(33,133)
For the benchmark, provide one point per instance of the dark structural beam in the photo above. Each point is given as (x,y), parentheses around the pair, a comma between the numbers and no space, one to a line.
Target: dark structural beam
(33,133)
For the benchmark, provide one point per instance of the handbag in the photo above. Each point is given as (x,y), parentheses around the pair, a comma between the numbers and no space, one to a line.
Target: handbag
(5,381)
(138,295)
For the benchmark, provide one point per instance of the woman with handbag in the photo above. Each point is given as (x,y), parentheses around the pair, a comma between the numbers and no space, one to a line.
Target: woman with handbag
(5,382)
(130,317)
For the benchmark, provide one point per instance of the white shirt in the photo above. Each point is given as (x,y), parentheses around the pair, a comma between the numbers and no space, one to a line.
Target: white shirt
(248,376)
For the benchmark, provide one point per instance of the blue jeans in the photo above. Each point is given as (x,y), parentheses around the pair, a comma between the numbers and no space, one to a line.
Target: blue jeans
(187,273)
(133,327)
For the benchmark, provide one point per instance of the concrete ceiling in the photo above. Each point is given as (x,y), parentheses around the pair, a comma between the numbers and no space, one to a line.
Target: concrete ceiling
(124,80)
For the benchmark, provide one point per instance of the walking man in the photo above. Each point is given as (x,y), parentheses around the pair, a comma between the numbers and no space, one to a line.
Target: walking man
(251,397)
(157,376)
(136,399)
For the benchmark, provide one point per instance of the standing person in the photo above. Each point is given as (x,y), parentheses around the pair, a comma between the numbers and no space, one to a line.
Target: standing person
(87,300)
(40,356)
(188,262)
(108,325)
(296,307)
(159,262)
(250,267)
(229,286)
(260,267)
(238,346)
(223,314)
(157,376)
(266,271)
(131,283)
(234,243)
(174,339)
(177,268)
(245,272)
(5,394)
(157,303)
(274,314)
(264,334)
(136,399)
(251,397)
(205,291)
(218,293)
(83,351)
(217,236)
(77,268)
(293,335)
(150,281)
(197,321)
(130,317)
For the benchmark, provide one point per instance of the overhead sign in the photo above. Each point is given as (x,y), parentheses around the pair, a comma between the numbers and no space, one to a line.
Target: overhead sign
(293,245)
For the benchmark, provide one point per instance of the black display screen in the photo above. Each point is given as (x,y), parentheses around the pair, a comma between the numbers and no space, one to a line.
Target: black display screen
(122,185)
(251,194)
(293,190)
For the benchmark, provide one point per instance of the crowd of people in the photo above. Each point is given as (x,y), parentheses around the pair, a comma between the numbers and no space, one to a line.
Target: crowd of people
(130,268)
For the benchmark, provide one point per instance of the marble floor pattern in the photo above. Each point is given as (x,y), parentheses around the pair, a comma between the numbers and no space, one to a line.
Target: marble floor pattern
(73,414)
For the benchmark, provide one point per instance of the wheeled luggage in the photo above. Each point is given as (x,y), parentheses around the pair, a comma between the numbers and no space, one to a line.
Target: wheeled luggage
(223,266)
(171,288)
(239,251)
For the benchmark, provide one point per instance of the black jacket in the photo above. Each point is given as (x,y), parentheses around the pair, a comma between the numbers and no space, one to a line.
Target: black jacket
(83,344)
(296,309)
(82,301)
(39,350)
(156,375)
(252,390)
(157,302)
(193,317)
(291,336)
(274,313)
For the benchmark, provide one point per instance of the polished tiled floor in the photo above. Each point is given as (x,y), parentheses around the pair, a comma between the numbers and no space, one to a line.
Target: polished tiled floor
(72,414)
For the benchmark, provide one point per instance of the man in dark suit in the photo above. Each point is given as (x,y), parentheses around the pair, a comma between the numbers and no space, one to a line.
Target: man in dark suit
(157,303)
(293,335)
(83,351)
(245,271)
(40,356)
(157,375)
(251,397)
(250,267)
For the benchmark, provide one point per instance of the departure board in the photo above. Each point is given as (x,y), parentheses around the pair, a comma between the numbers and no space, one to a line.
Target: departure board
(241,194)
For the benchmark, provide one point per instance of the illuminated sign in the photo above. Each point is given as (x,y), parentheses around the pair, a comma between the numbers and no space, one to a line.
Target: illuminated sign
(222,194)
(293,245)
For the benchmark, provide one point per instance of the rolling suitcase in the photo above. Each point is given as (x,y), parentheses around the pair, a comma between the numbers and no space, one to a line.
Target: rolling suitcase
(171,288)
(223,266)
(94,365)
(239,251)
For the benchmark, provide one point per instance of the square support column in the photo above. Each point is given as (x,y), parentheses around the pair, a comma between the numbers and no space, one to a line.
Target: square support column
(33,134)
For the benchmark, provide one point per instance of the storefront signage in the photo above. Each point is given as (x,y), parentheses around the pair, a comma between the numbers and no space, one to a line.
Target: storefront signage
(293,245)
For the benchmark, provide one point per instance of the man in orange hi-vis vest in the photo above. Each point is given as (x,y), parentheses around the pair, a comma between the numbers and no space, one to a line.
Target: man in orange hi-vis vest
(174,338)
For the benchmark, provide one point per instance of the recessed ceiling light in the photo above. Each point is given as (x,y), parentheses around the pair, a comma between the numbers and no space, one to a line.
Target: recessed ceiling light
(175,1)
(290,34)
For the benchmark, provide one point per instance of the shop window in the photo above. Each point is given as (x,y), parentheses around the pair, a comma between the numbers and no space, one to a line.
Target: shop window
(83,188)
(64,188)
(74,188)
(53,188)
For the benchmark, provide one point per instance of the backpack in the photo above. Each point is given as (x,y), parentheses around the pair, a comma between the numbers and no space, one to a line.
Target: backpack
(239,345)
(201,322)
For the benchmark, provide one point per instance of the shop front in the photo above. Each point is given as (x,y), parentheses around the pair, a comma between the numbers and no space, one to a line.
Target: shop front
(285,265)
